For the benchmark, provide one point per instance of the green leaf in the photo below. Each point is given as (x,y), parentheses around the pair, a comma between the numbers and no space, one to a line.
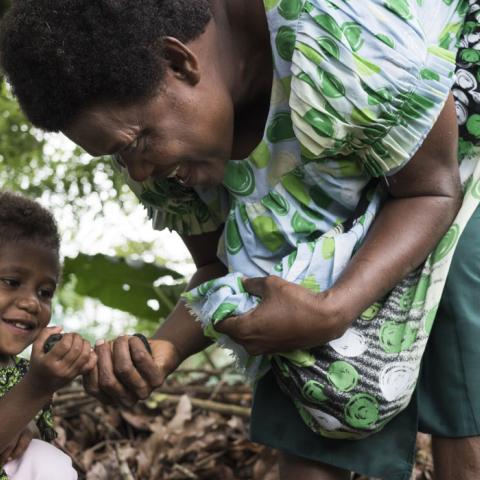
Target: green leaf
(125,284)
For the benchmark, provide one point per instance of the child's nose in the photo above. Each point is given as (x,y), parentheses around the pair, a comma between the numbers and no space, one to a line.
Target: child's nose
(29,303)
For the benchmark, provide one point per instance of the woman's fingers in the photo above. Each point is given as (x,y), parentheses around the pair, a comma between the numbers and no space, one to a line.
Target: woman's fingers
(90,383)
(108,382)
(256,286)
(146,364)
(125,370)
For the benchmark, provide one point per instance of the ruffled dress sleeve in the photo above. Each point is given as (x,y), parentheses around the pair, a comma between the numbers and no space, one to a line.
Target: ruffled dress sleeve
(370,78)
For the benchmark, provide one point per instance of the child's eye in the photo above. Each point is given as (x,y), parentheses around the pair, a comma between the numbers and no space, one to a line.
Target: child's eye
(10,282)
(46,293)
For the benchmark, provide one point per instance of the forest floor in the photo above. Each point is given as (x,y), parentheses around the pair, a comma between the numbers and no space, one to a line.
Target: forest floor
(190,428)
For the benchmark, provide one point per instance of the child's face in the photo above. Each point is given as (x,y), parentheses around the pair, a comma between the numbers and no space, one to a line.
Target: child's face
(28,278)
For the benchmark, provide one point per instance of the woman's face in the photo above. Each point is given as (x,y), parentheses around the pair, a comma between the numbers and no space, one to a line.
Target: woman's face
(186,131)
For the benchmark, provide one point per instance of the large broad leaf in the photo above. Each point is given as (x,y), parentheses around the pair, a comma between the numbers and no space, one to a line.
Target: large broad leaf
(4,6)
(127,285)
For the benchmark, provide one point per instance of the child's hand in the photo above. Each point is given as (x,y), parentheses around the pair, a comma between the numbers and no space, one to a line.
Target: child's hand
(70,357)
(17,447)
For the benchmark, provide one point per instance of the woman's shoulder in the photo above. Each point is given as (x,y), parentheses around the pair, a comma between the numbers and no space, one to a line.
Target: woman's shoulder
(370,79)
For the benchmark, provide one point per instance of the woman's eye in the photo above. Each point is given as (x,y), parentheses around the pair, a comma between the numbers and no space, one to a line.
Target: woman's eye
(132,146)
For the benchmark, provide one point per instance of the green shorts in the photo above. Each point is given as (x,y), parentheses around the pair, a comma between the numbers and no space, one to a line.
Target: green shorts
(446,402)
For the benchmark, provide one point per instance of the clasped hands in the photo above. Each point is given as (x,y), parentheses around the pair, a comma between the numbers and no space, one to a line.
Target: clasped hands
(288,317)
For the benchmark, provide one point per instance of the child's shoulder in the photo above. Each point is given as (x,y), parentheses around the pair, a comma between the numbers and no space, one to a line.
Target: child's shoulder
(11,374)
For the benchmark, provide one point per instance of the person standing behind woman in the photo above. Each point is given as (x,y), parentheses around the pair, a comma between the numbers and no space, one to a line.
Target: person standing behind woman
(176,88)
(29,273)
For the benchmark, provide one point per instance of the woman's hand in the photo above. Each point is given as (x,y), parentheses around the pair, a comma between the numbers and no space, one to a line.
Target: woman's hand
(288,317)
(17,447)
(70,357)
(126,372)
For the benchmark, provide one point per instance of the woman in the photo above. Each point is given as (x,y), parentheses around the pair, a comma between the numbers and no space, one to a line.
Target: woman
(176,88)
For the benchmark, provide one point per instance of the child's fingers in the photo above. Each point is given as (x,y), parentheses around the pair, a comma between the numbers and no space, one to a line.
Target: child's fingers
(83,358)
(37,347)
(62,348)
(5,456)
(68,349)
(91,363)
(22,444)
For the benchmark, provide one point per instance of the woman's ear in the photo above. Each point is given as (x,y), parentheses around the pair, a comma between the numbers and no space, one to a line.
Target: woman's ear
(181,60)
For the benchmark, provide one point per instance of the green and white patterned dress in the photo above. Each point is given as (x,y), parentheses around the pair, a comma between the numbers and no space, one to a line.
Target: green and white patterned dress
(11,376)
(357,87)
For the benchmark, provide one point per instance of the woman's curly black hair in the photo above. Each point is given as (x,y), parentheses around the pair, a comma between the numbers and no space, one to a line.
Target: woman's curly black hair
(24,220)
(61,55)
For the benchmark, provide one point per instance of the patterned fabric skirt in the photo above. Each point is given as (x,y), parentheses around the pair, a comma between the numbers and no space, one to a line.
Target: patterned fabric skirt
(446,402)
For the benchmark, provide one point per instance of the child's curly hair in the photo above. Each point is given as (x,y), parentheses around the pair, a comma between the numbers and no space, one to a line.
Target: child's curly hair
(22,219)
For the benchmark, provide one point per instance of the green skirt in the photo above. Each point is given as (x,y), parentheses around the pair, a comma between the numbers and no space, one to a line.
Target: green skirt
(446,402)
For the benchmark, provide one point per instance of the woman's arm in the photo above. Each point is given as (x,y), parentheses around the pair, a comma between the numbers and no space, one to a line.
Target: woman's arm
(424,199)
(126,372)
(180,328)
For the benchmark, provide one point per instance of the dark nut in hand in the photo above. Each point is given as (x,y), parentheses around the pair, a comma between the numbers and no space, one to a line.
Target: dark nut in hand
(51,341)
(143,338)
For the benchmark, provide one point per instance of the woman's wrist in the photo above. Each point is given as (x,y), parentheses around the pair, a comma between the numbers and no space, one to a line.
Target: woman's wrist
(166,354)
(333,309)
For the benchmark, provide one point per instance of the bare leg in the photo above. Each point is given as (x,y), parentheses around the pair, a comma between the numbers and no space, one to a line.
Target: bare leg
(456,458)
(296,468)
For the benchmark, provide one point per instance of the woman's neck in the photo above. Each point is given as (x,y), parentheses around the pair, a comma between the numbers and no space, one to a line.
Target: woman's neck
(247,58)
(249,67)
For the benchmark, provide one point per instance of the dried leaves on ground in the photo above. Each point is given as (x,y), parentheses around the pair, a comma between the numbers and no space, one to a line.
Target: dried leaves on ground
(191,428)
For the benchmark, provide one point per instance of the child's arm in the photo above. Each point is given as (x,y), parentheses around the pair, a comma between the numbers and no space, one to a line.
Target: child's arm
(16,448)
(424,199)
(72,356)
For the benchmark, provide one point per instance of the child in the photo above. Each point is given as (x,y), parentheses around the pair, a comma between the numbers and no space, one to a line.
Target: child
(29,272)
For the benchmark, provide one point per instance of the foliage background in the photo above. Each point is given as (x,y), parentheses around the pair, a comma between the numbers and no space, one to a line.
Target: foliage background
(85,194)
(112,256)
